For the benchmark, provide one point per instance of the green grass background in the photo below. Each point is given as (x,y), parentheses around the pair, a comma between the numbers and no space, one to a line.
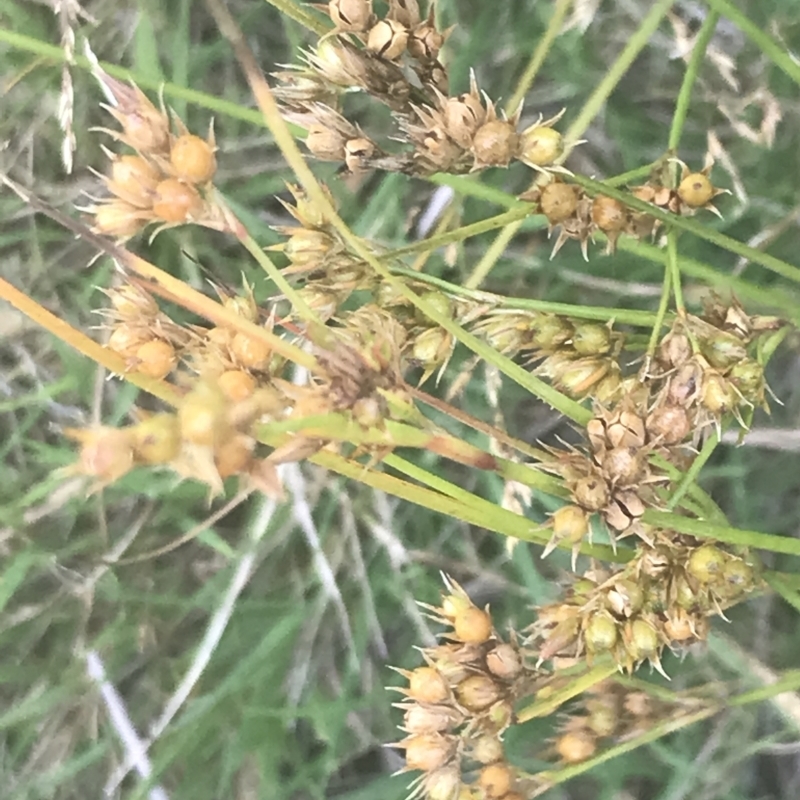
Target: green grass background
(292,704)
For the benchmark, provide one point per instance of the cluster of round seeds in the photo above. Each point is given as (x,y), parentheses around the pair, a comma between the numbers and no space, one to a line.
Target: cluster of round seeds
(149,341)
(608,713)
(579,216)
(165,181)
(458,705)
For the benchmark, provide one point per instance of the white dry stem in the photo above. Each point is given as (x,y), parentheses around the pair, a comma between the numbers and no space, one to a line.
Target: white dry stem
(135,748)
(216,628)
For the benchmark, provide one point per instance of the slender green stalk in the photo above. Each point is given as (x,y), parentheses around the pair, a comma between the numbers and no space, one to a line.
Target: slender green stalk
(790,594)
(623,316)
(706,530)
(694,470)
(492,255)
(772,49)
(692,68)
(617,71)
(539,54)
(674,271)
(661,313)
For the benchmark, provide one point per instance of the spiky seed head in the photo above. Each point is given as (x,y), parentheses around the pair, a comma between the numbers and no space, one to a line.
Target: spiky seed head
(723,350)
(570,523)
(126,339)
(144,127)
(202,415)
(155,358)
(132,304)
(551,332)
(443,784)
(193,159)
(625,598)
(504,661)
(237,385)
(559,201)
(387,38)
(696,190)
(675,349)
(679,625)
(591,493)
(405,12)
(472,625)
(118,219)
(625,465)
(326,143)
(432,347)
(748,377)
(576,746)
(486,749)
(425,42)
(463,115)
(478,692)
(250,352)
(706,563)
(351,15)
(495,143)
(429,718)
(590,339)
(429,751)
(358,152)
(668,424)
(175,201)
(233,455)
(717,394)
(641,640)
(427,685)
(157,439)
(540,146)
(600,632)
(308,247)
(496,780)
(609,214)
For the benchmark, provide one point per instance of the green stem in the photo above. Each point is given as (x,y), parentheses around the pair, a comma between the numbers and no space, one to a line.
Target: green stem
(674,270)
(772,49)
(693,471)
(299,14)
(492,255)
(624,316)
(661,313)
(539,54)
(617,71)
(692,68)
(706,530)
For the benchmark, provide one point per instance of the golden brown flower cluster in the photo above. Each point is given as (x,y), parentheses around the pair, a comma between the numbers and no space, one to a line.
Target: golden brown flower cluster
(443,133)
(577,215)
(458,705)
(166,181)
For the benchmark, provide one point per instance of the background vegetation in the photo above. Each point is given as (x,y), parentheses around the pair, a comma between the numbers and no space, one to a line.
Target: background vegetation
(291,703)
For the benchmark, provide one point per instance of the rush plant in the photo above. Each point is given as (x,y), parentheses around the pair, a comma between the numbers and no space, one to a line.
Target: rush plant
(341,351)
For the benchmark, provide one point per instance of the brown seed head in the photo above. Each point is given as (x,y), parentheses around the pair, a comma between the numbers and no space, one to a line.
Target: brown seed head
(463,115)
(570,523)
(249,352)
(425,42)
(193,159)
(358,152)
(591,493)
(478,692)
(472,625)
(118,219)
(176,202)
(494,143)
(426,685)
(669,424)
(504,661)
(351,15)
(559,201)
(155,358)
(126,339)
(496,780)
(388,38)
(236,384)
(609,214)
(624,465)
(429,751)
(429,718)
(696,190)
(106,453)
(486,749)
(133,179)
(233,455)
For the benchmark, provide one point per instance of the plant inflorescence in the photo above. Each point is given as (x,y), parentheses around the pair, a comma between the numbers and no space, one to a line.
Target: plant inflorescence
(330,369)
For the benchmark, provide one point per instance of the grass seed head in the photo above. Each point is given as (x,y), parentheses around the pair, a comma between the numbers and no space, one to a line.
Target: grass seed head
(193,159)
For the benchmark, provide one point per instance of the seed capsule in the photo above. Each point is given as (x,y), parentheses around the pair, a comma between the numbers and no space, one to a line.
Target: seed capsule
(193,159)
(504,661)
(669,424)
(432,347)
(591,493)
(232,456)
(429,719)
(428,751)
(133,179)
(570,523)
(641,640)
(236,384)
(558,201)
(308,247)
(738,575)
(176,202)
(478,692)
(440,302)
(463,115)
(157,439)
(496,780)
(388,38)
(495,143)
(576,746)
(540,146)
(443,784)
(487,749)
(625,599)
(427,686)
(609,214)
(717,394)
(358,152)
(472,625)
(591,340)
(723,350)
(350,15)
(624,465)
(326,143)
(425,42)
(600,632)
(696,190)
(249,352)
(155,358)
(127,339)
